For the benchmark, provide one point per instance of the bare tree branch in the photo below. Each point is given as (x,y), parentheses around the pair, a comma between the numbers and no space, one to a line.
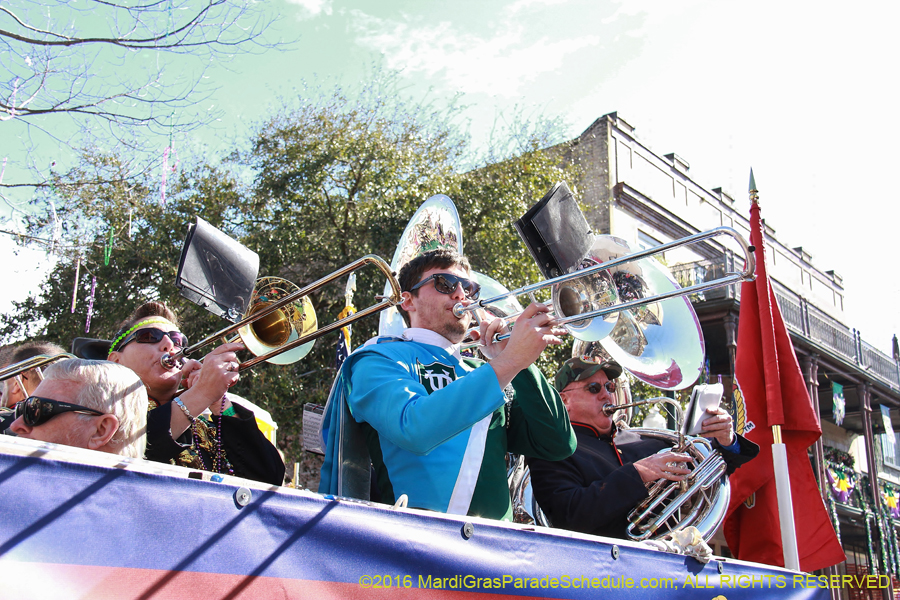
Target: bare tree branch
(71,70)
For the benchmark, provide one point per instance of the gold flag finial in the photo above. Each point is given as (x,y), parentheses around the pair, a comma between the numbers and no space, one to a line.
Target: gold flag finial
(754,193)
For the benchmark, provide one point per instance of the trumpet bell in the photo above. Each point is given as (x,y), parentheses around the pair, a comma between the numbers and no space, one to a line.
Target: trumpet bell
(599,290)
(280,327)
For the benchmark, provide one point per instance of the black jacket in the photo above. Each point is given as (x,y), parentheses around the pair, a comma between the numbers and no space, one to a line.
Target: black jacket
(593,490)
(247,450)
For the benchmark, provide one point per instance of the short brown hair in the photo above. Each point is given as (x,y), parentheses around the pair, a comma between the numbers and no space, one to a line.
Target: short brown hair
(32,349)
(411,272)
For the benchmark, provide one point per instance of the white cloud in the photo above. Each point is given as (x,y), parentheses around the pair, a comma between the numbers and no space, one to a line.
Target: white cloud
(519,5)
(497,64)
(310,9)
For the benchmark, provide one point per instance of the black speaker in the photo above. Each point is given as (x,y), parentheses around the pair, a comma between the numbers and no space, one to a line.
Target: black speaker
(216,271)
(556,232)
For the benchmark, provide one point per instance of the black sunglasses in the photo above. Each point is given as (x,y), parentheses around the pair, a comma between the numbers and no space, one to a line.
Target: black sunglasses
(152,335)
(37,411)
(596,388)
(446,284)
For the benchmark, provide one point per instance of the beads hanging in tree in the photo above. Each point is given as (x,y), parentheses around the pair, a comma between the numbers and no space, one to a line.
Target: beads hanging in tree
(57,228)
(165,171)
(90,311)
(107,248)
(75,287)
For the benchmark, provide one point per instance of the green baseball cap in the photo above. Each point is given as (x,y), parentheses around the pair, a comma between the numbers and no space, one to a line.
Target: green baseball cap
(579,369)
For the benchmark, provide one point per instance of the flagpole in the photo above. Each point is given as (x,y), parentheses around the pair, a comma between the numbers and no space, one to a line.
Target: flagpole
(780,464)
(785,505)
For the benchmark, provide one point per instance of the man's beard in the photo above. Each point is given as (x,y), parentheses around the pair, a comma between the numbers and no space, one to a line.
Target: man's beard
(455,330)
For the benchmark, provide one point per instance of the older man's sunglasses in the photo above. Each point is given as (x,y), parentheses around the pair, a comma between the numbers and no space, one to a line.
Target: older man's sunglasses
(152,335)
(35,410)
(446,284)
(596,388)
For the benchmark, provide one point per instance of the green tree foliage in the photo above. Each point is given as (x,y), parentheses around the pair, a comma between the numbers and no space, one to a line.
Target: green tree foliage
(322,183)
(116,230)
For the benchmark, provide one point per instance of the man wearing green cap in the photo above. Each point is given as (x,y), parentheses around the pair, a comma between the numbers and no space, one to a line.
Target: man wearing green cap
(593,490)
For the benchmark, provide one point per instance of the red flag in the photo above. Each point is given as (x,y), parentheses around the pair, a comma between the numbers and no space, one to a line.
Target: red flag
(770,391)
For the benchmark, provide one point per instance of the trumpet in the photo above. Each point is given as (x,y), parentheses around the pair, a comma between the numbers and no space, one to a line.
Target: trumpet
(268,324)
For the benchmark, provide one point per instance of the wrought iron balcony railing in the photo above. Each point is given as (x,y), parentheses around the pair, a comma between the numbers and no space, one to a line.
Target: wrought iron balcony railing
(800,316)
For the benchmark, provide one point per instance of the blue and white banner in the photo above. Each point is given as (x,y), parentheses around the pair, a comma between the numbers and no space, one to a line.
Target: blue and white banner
(132,530)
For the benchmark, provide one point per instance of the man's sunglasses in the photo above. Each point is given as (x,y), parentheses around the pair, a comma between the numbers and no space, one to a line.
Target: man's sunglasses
(596,388)
(446,284)
(37,411)
(152,335)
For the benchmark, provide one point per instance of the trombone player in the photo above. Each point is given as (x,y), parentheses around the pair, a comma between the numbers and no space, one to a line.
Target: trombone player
(177,430)
(438,426)
(593,490)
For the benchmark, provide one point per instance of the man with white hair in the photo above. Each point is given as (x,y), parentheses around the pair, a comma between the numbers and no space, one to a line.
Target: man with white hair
(93,404)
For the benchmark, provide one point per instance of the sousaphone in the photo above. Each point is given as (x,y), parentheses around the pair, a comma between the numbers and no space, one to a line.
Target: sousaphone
(434,226)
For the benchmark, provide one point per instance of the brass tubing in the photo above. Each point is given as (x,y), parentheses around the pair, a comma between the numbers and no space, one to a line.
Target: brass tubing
(31,363)
(171,360)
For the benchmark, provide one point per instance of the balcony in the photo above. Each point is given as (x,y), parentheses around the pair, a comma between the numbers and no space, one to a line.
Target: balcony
(800,316)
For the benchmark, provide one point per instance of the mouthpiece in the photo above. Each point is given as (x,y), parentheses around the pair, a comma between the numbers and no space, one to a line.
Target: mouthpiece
(168,361)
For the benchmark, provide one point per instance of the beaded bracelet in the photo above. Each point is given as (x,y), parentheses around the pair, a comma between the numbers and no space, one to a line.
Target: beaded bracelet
(184,409)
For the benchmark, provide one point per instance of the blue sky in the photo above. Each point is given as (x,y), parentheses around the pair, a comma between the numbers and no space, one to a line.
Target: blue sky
(802,92)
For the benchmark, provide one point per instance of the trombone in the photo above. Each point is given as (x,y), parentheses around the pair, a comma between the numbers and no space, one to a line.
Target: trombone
(35,362)
(748,274)
(267,311)
(23,366)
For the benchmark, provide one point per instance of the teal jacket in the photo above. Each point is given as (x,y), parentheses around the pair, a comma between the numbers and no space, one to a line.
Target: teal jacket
(438,429)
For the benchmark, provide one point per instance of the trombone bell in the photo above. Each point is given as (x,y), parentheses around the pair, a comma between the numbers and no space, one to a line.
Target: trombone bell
(584,295)
(660,343)
(284,325)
